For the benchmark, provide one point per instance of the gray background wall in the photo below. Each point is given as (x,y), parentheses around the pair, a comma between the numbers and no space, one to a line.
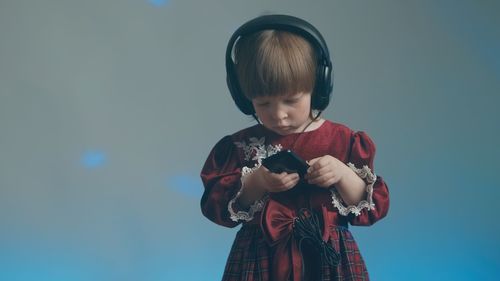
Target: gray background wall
(109,108)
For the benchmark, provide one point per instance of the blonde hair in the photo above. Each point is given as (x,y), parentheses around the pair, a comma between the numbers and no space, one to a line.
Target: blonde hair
(273,62)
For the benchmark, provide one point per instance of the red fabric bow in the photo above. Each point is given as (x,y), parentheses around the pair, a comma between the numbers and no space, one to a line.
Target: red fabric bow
(277,225)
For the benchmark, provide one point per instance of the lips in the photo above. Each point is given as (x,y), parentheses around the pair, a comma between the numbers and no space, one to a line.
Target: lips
(282,128)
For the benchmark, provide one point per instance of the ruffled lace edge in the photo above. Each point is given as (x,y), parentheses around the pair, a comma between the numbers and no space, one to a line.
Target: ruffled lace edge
(369,177)
(257,206)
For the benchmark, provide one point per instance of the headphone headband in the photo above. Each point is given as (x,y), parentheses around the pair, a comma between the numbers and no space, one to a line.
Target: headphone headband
(323,84)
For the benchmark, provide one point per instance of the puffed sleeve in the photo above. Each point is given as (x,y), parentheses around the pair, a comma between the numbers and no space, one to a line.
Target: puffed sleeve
(375,205)
(221,177)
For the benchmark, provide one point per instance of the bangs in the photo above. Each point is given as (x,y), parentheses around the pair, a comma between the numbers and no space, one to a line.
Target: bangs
(273,63)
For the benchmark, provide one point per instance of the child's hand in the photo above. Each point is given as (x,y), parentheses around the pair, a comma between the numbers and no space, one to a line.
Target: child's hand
(325,171)
(261,181)
(273,182)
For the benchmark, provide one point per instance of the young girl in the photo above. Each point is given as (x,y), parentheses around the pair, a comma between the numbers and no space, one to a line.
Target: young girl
(293,227)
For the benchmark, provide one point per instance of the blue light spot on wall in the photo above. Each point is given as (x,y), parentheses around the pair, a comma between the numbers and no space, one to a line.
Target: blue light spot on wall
(35,264)
(158,3)
(186,184)
(93,159)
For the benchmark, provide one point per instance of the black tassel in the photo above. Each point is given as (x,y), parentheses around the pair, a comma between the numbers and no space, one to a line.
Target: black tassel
(306,227)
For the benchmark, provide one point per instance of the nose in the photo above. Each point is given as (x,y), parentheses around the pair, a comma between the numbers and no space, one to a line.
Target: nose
(279,113)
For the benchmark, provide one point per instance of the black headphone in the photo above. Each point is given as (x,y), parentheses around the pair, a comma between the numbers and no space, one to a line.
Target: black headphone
(324,81)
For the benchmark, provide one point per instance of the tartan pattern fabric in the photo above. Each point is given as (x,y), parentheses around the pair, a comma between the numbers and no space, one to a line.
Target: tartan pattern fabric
(352,266)
(250,257)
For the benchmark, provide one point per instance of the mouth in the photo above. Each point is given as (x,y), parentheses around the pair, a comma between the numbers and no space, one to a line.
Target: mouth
(282,128)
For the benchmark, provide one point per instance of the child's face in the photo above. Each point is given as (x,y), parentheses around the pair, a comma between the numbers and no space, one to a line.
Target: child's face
(285,114)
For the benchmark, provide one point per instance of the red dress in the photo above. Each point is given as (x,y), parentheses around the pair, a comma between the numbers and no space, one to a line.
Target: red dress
(266,248)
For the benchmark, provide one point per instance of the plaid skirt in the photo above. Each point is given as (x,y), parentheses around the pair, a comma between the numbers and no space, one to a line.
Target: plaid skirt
(251,257)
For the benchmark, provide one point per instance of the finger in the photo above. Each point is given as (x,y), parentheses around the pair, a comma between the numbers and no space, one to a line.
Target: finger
(324,165)
(291,183)
(285,176)
(322,162)
(284,187)
(312,161)
(291,178)
(313,173)
(286,179)
(318,165)
(324,184)
(286,182)
(278,180)
(324,179)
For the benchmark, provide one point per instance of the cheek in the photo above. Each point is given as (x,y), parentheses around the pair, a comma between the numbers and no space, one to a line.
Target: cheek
(305,109)
(262,114)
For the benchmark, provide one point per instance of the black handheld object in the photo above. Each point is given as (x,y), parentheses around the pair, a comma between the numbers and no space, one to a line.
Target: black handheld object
(286,161)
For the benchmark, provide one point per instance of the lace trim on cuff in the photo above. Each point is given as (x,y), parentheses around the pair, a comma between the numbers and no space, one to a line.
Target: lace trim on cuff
(257,206)
(366,174)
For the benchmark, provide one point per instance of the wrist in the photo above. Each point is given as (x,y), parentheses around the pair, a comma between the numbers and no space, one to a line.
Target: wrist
(252,188)
(345,174)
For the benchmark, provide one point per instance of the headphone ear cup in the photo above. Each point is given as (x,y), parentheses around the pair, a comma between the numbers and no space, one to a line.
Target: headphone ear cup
(241,101)
(322,88)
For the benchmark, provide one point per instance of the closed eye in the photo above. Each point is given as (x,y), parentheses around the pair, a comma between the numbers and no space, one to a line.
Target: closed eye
(262,104)
(291,101)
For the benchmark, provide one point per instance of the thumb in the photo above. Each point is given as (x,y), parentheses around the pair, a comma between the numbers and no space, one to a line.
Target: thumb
(312,161)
